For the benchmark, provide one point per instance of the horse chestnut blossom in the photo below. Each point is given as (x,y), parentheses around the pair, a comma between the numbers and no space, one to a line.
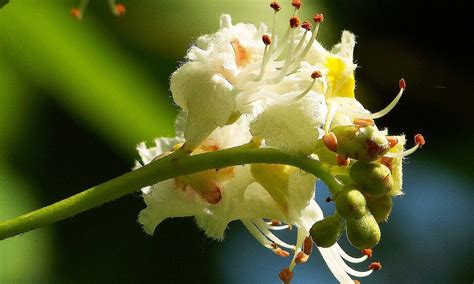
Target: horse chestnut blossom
(247,86)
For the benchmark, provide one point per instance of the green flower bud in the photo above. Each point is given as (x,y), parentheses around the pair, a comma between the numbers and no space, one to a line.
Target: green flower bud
(363,233)
(375,179)
(326,232)
(360,143)
(380,207)
(350,203)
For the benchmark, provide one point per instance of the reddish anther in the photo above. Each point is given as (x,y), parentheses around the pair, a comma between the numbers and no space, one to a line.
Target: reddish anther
(342,161)
(283,253)
(301,257)
(120,9)
(367,252)
(275,223)
(402,84)
(296,4)
(308,245)
(76,13)
(356,281)
(286,275)
(330,140)
(363,122)
(294,22)
(316,74)
(419,140)
(392,141)
(306,25)
(267,40)
(375,266)
(318,18)
(275,6)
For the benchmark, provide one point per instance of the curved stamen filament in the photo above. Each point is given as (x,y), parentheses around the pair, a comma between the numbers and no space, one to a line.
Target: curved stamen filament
(346,268)
(333,265)
(263,228)
(380,113)
(347,257)
(301,235)
(305,51)
(402,154)
(257,234)
(278,228)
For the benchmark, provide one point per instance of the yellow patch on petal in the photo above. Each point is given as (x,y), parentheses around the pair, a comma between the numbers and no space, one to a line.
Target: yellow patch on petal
(275,180)
(342,83)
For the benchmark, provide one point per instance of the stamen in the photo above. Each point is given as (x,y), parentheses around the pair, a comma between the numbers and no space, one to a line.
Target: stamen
(384,111)
(257,234)
(356,281)
(296,4)
(76,13)
(119,9)
(348,269)
(367,252)
(318,18)
(308,245)
(275,223)
(294,22)
(342,161)
(301,257)
(419,140)
(267,40)
(375,266)
(307,26)
(392,141)
(263,228)
(283,253)
(330,140)
(275,6)
(278,228)
(363,122)
(315,75)
(286,275)
(348,257)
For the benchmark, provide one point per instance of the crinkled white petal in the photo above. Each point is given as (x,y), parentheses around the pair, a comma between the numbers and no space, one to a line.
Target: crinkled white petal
(205,96)
(292,127)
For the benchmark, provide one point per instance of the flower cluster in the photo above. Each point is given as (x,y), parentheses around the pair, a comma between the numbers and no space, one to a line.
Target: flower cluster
(246,83)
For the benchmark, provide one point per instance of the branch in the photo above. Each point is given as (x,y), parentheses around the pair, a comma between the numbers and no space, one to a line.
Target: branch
(170,166)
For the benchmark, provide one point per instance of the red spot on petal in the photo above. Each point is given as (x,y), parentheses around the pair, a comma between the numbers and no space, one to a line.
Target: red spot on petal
(392,141)
(242,55)
(120,9)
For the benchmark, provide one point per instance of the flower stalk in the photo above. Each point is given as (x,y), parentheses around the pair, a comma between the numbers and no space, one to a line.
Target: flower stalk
(173,165)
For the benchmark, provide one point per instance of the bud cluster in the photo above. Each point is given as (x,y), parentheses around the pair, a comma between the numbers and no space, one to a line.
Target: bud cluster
(370,181)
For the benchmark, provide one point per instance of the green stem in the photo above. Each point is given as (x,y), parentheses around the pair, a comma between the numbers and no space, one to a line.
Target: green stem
(165,168)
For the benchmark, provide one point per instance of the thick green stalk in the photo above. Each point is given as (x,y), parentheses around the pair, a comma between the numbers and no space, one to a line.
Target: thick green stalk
(165,168)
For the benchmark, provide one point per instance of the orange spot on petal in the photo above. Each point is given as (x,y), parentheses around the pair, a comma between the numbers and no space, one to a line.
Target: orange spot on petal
(242,55)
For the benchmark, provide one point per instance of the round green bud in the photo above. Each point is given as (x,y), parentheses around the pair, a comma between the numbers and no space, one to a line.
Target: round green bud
(326,232)
(380,207)
(375,179)
(350,203)
(363,233)
(360,143)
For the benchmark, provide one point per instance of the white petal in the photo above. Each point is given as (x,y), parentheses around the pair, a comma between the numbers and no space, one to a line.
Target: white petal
(292,127)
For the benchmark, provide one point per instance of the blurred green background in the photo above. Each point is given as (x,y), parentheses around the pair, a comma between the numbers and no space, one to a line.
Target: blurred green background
(76,97)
